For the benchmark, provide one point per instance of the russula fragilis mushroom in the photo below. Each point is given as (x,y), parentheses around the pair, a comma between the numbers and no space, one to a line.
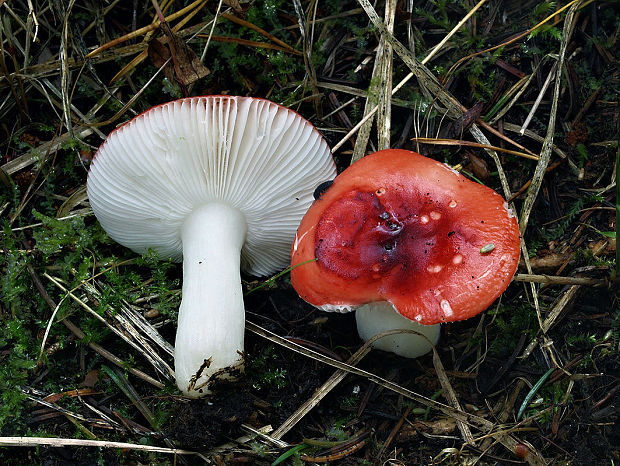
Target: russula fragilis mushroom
(218,182)
(402,228)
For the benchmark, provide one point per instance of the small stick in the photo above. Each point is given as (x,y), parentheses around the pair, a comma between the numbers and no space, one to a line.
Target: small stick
(555,280)
(390,438)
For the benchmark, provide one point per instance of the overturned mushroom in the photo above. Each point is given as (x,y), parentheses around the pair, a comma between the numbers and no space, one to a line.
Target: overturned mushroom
(399,227)
(218,182)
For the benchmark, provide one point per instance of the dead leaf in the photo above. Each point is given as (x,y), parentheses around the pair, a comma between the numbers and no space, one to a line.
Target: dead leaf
(478,167)
(547,261)
(235,5)
(457,128)
(90,379)
(185,66)
(54,397)
(442,426)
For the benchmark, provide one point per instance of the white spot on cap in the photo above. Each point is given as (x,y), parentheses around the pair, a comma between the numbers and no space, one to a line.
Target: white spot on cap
(418,317)
(456,260)
(452,204)
(446,308)
(435,215)
(451,169)
(434,268)
(298,240)
(424,219)
(504,259)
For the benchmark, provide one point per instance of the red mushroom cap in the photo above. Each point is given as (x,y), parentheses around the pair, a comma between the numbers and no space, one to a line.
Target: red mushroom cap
(399,227)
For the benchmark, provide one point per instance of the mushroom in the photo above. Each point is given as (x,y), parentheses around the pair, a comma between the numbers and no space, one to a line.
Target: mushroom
(220,183)
(411,233)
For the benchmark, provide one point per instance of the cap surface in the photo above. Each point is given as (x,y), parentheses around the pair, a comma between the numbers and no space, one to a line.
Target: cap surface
(253,154)
(399,227)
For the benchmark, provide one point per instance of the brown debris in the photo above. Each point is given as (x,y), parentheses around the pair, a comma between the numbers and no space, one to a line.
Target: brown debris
(185,66)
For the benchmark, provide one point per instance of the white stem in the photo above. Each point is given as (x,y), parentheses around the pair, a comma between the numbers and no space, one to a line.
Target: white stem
(379,317)
(210,332)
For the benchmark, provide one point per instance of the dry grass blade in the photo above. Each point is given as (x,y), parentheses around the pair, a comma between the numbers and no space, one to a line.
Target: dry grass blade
(456,142)
(516,91)
(141,346)
(516,128)
(451,395)
(139,322)
(250,43)
(459,25)
(567,297)
(385,90)
(72,442)
(64,70)
(541,94)
(283,45)
(372,100)
(482,139)
(324,389)
(145,29)
(361,93)
(307,36)
(94,346)
(110,356)
(547,149)
(518,37)
(376,90)
(144,53)
(509,442)
(67,412)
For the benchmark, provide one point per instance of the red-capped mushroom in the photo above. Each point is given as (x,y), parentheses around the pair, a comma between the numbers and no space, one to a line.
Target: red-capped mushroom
(399,227)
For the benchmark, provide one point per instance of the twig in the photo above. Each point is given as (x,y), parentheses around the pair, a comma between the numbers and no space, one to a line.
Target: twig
(390,438)
(555,280)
